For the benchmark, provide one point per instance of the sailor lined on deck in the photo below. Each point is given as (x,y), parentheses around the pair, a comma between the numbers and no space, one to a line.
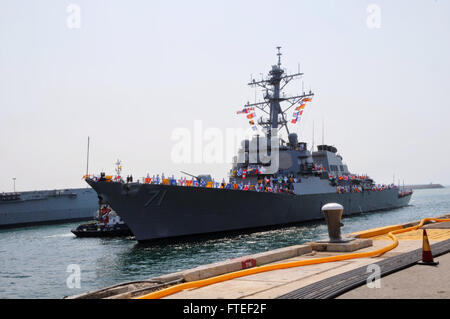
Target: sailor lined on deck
(341,189)
(279,184)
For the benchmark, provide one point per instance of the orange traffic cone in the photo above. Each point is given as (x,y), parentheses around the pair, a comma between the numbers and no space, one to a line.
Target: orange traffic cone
(427,256)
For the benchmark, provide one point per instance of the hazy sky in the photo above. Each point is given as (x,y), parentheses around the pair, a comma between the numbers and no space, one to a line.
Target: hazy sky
(132,72)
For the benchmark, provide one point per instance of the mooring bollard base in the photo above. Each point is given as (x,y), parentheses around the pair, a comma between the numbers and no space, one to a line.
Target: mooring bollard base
(337,241)
(349,246)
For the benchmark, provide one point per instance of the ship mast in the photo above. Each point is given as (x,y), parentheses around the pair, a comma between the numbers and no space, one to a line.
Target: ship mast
(274,96)
(118,168)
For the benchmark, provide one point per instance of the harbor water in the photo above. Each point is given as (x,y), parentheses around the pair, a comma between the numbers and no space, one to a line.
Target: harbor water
(40,261)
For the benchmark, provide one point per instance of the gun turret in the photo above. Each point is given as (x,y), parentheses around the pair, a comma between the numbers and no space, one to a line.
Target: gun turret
(206,178)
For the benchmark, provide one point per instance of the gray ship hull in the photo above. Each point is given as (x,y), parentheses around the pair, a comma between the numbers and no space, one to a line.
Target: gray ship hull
(161,211)
(49,207)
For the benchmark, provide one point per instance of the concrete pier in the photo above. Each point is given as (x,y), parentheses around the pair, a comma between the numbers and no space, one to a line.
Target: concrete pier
(319,280)
(415,282)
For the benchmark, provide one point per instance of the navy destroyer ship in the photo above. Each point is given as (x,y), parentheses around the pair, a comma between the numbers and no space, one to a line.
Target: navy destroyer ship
(272,182)
(47,207)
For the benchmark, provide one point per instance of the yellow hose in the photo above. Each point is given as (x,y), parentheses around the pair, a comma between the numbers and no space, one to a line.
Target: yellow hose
(251,271)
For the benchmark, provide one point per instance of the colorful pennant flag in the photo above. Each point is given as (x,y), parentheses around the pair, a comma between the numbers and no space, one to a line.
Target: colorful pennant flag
(252,114)
(300,110)
(246,110)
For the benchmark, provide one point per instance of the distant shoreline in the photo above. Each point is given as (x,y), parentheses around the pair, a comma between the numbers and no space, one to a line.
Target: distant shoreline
(424,186)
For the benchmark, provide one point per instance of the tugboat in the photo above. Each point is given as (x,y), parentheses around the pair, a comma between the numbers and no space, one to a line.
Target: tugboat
(271,183)
(109,225)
